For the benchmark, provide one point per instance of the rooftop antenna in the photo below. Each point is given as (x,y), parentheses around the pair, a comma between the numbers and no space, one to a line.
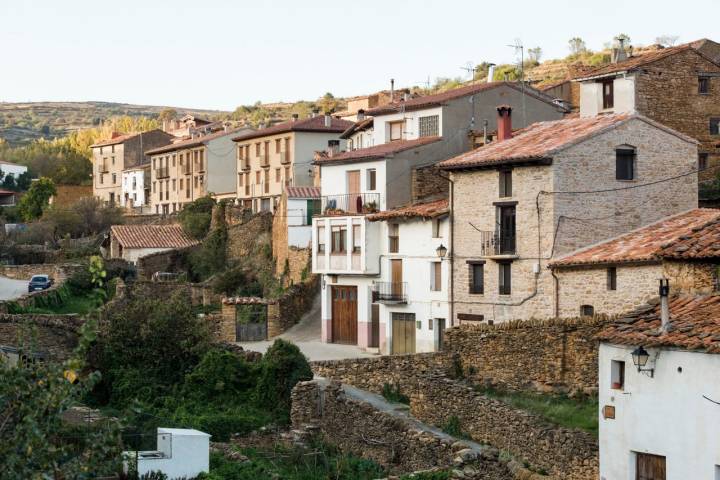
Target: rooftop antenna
(425,82)
(519,46)
(470,69)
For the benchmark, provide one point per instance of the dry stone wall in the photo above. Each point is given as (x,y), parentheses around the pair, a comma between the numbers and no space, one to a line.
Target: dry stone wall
(52,335)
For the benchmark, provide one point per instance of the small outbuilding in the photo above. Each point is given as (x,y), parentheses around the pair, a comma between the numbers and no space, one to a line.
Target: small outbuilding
(131,242)
(180,453)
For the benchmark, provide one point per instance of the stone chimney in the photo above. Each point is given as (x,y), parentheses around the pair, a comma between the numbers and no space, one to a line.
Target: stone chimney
(664,305)
(392,90)
(328,120)
(504,123)
(619,53)
(333,147)
(361,114)
(314,113)
(295,117)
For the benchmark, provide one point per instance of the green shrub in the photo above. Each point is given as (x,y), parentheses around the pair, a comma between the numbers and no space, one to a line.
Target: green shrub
(229,282)
(196,217)
(210,257)
(220,376)
(453,427)
(393,394)
(282,367)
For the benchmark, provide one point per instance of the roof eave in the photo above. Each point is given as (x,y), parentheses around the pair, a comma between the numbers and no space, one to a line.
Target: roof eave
(519,162)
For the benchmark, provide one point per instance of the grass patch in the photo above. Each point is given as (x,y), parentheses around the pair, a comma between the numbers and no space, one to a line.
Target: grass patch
(393,394)
(454,428)
(580,413)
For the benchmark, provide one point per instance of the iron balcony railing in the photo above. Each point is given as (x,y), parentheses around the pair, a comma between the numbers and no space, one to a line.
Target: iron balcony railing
(162,172)
(284,157)
(351,203)
(389,292)
(495,244)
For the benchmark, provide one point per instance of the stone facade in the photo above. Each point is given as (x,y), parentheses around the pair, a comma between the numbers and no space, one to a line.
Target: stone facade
(174,261)
(245,238)
(428,182)
(53,336)
(550,224)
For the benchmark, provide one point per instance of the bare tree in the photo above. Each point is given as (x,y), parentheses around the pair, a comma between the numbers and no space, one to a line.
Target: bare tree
(577,45)
(534,54)
(667,40)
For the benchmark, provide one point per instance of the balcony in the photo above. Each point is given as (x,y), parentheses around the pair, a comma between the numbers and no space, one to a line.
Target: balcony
(347,244)
(103,168)
(265,161)
(284,158)
(244,164)
(353,203)
(493,244)
(162,172)
(389,292)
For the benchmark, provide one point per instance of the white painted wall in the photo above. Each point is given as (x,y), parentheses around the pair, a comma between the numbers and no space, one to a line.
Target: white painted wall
(334,178)
(133,254)
(135,191)
(12,169)
(221,168)
(665,415)
(362,139)
(591,96)
(380,133)
(185,454)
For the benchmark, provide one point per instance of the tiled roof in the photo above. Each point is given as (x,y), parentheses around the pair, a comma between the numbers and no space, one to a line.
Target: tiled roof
(303,192)
(310,124)
(359,126)
(375,152)
(192,142)
(694,325)
(693,234)
(422,210)
(115,140)
(151,236)
(437,99)
(6,192)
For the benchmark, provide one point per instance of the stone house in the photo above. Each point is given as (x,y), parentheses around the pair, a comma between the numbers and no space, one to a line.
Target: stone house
(554,187)
(111,157)
(292,231)
(275,157)
(658,391)
(189,169)
(130,242)
(677,86)
(614,276)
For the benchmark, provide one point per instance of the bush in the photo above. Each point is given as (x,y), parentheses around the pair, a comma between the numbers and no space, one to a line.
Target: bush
(210,257)
(228,283)
(220,376)
(196,217)
(393,394)
(283,366)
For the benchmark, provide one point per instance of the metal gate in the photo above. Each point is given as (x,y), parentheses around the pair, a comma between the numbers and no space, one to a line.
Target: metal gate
(250,323)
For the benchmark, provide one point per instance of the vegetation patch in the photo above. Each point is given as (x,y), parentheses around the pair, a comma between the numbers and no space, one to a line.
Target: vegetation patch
(453,427)
(392,393)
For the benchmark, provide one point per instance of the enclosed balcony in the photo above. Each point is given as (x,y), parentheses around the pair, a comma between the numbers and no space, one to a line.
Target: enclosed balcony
(351,203)
(345,245)
(389,292)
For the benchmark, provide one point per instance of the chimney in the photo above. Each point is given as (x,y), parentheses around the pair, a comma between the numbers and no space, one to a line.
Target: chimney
(328,120)
(333,147)
(261,125)
(392,90)
(504,123)
(619,53)
(294,117)
(226,127)
(406,96)
(114,135)
(361,114)
(314,113)
(664,305)
(491,73)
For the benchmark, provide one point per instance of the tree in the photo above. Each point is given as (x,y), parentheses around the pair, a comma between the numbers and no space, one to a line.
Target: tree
(534,54)
(577,46)
(167,114)
(8,182)
(328,103)
(23,181)
(36,199)
(667,40)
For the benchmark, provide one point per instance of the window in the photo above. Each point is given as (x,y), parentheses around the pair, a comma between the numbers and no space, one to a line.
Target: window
(154,186)
(617,375)
(257,177)
(504,278)
(393,238)
(287,175)
(702,161)
(321,239)
(371,179)
(505,183)
(357,239)
(173,158)
(174,185)
(607,94)
(612,278)
(477,278)
(338,238)
(435,276)
(396,130)
(181,184)
(625,163)
(587,310)
(704,85)
(114,178)
(277,145)
(436,233)
(112,159)
(428,126)
(715,126)
(287,148)
(257,149)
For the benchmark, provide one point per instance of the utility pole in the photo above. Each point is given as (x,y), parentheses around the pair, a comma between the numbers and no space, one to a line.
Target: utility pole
(519,46)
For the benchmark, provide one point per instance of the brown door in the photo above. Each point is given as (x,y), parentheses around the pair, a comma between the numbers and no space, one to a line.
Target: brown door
(344,314)
(403,332)
(397,278)
(375,326)
(354,200)
(650,467)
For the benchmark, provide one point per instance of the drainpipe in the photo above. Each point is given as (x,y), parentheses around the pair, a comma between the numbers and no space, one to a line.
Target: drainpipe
(557,293)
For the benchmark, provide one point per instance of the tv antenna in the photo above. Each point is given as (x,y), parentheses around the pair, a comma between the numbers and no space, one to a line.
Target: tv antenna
(470,69)
(518,46)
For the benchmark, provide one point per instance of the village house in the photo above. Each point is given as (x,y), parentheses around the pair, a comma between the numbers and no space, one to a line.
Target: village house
(189,169)
(131,242)
(136,188)
(185,126)
(275,157)
(554,187)
(612,277)
(9,168)
(658,391)
(359,134)
(677,86)
(8,198)
(111,157)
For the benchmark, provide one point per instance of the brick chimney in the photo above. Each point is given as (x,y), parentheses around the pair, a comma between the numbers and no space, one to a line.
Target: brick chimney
(361,114)
(328,120)
(294,117)
(504,123)
(333,147)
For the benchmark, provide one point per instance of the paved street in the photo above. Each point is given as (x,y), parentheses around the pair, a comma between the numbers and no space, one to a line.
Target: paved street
(306,335)
(11,289)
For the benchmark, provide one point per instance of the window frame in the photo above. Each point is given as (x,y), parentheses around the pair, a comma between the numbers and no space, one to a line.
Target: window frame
(504,278)
(703,161)
(624,153)
(429,126)
(357,238)
(608,98)
(436,276)
(714,126)
(585,308)
(338,239)
(617,374)
(505,183)
(401,124)
(393,238)
(475,287)
(612,278)
(703,85)
(371,179)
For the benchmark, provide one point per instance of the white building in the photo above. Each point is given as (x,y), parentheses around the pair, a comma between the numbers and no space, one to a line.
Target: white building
(661,422)
(302,204)
(13,169)
(130,242)
(136,187)
(181,453)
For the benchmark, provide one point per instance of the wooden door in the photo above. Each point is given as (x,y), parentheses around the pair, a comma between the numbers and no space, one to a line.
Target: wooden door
(396,277)
(353,183)
(440,326)
(650,467)
(403,333)
(374,325)
(344,314)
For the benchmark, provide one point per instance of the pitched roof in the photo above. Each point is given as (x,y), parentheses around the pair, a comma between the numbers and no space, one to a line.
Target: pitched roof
(694,325)
(3,162)
(693,234)
(7,192)
(417,210)
(303,192)
(375,152)
(151,236)
(115,140)
(192,142)
(310,124)
(438,99)
(359,126)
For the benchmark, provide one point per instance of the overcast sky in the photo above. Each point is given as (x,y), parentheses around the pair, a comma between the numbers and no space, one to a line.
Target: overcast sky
(222,53)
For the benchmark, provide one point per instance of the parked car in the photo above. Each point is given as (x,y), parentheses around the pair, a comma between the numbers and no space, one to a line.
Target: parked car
(40,282)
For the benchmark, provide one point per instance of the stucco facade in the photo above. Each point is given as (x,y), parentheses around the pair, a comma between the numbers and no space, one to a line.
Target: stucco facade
(136,187)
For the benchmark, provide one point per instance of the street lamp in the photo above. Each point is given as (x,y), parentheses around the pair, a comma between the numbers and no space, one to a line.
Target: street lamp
(640,358)
(441,251)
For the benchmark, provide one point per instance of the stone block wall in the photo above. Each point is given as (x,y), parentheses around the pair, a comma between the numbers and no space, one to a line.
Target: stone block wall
(244,239)
(289,309)
(25,271)
(429,182)
(55,336)
(174,261)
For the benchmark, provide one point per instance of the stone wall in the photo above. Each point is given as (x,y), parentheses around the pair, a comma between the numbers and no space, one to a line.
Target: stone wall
(54,335)
(25,271)
(68,195)
(174,261)
(289,308)
(244,239)
(429,182)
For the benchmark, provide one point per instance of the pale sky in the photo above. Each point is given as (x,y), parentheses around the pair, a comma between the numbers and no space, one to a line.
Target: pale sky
(219,54)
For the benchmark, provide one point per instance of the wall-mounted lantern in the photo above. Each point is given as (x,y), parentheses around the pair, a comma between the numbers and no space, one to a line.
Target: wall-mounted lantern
(441,251)
(640,358)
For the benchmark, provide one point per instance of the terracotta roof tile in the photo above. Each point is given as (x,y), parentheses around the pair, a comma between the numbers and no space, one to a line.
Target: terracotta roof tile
(422,210)
(359,126)
(694,325)
(151,236)
(693,234)
(115,140)
(192,142)
(311,124)
(303,192)
(438,99)
(375,152)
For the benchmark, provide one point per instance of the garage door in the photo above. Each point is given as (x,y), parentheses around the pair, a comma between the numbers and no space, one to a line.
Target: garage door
(344,314)
(403,333)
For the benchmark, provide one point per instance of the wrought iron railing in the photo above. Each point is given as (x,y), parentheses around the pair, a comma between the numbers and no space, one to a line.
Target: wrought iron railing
(389,292)
(162,172)
(493,243)
(351,203)
(284,157)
